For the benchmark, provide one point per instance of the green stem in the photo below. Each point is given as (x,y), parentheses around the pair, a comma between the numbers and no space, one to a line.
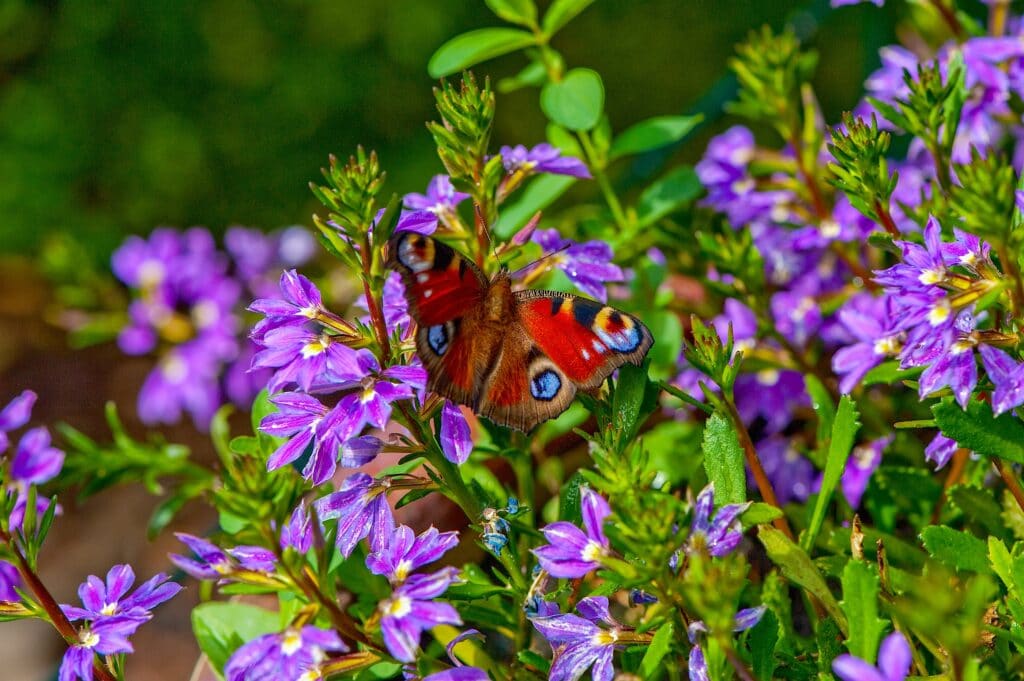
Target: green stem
(602,180)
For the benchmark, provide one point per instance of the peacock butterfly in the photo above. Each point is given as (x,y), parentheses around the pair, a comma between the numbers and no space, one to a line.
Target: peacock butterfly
(516,357)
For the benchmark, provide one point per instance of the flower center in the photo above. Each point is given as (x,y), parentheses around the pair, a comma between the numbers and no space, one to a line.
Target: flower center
(310,312)
(109,608)
(315,347)
(862,457)
(88,638)
(830,229)
(932,276)
(151,273)
(768,376)
(403,569)
(397,607)
(592,551)
(742,186)
(889,345)
(605,638)
(204,314)
(939,312)
(291,641)
(175,369)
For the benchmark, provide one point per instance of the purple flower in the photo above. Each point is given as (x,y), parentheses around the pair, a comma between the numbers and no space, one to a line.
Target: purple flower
(9,581)
(894,659)
(861,465)
(307,357)
(923,267)
(413,607)
(297,533)
(587,265)
(579,642)
(797,316)
(441,200)
(214,562)
(300,302)
(954,366)
(16,414)
(393,305)
(1007,375)
(459,674)
(772,395)
(875,324)
(718,536)
(939,450)
(543,158)
(361,508)
(698,667)
(184,379)
(108,636)
(295,653)
(111,599)
(456,439)
(34,463)
(571,552)
(791,474)
(404,552)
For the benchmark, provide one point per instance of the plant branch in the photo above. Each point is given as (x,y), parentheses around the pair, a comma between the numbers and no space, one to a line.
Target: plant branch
(1012,483)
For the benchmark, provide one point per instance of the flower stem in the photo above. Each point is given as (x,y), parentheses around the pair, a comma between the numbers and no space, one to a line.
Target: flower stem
(1012,483)
(57,617)
(956,471)
(602,181)
(380,329)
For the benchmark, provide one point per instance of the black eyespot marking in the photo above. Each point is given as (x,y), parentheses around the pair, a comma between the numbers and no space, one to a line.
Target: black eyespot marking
(545,385)
(437,339)
(443,255)
(556,305)
(615,318)
(462,269)
(585,311)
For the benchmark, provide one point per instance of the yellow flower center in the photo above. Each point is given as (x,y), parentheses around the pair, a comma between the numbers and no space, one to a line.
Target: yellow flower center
(890,345)
(933,276)
(402,570)
(592,551)
(397,607)
(291,641)
(768,376)
(109,608)
(940,312)
(315,347)
(88,638)
(605,638)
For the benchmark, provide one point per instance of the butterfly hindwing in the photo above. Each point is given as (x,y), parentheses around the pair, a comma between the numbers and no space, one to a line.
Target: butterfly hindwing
(444,291)
(584,338)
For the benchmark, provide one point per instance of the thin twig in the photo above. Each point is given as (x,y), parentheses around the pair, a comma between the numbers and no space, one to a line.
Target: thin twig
(956,471)
(1012,483)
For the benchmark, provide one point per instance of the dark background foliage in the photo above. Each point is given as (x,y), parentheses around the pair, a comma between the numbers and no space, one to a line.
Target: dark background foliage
(119,116)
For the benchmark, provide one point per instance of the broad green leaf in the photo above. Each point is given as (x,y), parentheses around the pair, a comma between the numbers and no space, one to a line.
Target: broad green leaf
(671,192)
(821,402)
(569,505)
(827,637)
(960,550)
(980,505)
(860,603)
(561,13)
(667,330)
(576,102)
(762,639)
(759,513)
(653,133)
(723,461)
(631,400)
(221,628)
(522,12)
(888,372)
(797,567)
(659,647)
(981,431)
(538,195)
(473,47)
(843,431)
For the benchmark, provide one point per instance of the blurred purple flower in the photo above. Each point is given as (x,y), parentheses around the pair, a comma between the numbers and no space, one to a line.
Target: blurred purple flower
(413,607)
(361,508)
(543,158)
(404,552)
(34,463)
(14,415)
(894,660)
(297,533)
(295,653)
(1007,374)
(721,535)
(214,562)
(571,552)
(791,474)
(456,439)
(579,643)
(441,200)
(860,467)
(184,379)
(875,324)
(101,600)
(587,265)
(698,668)
(772,395)
(797,316)
(9,580)
(939,450)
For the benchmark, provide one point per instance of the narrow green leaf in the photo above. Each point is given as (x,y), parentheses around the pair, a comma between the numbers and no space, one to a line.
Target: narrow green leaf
(630,399)
(671,192)
(522,12)
(759,513)
(575,102)
(763,639)
(723,461)
(979,430)
(798,568)
(888,372)
(473,47)
(561,13)
(652,134)
(569,503)
(959,550)
(660,646)
(860,603)
(538,195)
(1002,562)
(844,429)
(221,628)
(824,407)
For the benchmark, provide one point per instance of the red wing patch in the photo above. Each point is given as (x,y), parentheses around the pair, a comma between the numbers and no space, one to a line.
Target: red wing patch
(440,284)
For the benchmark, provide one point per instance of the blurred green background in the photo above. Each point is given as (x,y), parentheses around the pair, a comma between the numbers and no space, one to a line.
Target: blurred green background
(118,116)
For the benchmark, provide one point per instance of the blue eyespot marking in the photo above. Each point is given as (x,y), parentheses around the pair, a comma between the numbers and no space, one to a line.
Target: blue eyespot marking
(437,339)
(621,340)
(545,385)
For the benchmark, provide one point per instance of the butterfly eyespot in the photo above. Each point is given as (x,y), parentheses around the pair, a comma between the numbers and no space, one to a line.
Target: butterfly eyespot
(617,331)
(439,338)
(416,253)
(545,385)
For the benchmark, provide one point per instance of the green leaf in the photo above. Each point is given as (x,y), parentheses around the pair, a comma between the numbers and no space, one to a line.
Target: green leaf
(473,47)
(723,461)
(797,567)
(561,13)
(660,646)
(576,102)
(653,133)
(1002,562)
(979,430)
(763,639)
(860,603)
(221,628)
(569,503)
(538,195)
(628,398)
(979,504)
(671,192)
(959,550)
(843,431)
(888,372)
(759,513)
(821,402)
(522,12)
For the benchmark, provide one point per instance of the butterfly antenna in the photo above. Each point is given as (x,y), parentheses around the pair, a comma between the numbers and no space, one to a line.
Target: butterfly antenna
(483,236)
(533,266)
